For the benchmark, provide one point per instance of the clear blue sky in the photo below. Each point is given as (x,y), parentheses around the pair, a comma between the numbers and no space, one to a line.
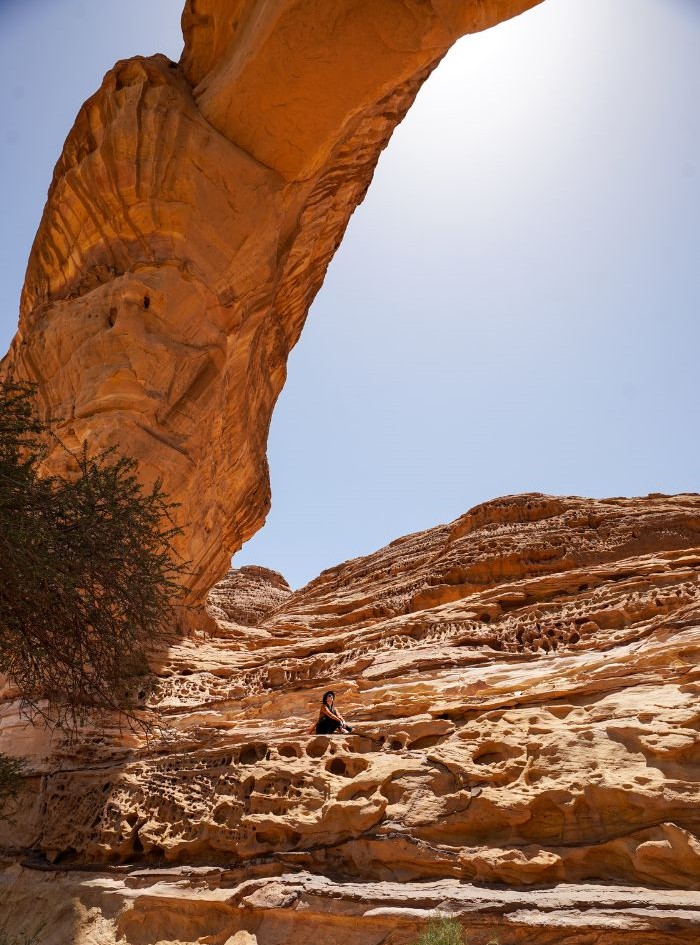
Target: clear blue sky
(515,305)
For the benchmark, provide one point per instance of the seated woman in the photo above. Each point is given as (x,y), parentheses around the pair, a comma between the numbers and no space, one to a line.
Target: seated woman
(330,720)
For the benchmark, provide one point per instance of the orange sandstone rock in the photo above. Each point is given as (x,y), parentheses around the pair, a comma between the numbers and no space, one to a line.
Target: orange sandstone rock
(189,224)
(541,649)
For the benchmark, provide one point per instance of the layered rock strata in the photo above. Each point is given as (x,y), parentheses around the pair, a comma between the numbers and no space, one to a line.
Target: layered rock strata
(542,649)
(245,597)
(189,224)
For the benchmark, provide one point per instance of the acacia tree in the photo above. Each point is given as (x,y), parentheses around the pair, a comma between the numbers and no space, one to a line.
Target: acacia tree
(88,575)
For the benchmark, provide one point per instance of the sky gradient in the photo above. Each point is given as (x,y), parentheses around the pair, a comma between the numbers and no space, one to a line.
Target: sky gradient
(514,306)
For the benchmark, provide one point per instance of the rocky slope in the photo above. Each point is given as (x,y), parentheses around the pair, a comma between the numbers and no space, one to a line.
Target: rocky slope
(542,649)
(189,224)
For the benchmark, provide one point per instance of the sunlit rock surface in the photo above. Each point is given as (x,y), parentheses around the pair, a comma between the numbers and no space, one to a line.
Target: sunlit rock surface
(542,649)
(246,596)
(189,224)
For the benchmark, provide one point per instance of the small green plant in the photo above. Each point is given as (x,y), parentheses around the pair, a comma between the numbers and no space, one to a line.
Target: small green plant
(88,576)
(444,931)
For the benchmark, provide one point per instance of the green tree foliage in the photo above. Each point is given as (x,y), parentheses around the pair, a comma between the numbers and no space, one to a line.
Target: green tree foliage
(88,576)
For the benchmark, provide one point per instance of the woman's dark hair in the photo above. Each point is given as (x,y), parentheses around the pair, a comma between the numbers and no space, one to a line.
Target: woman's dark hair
(325,696)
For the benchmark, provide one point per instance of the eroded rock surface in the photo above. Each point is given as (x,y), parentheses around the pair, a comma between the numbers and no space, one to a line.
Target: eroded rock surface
(543,649)
(189,224)
(246,596)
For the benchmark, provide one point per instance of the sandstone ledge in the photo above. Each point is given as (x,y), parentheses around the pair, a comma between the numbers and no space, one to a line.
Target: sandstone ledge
(208,905)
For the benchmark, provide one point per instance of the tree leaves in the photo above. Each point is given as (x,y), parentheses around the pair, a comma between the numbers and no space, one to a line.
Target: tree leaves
(88,575)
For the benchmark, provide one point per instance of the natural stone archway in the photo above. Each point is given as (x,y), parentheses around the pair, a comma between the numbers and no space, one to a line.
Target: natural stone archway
(523,682)
(189,224)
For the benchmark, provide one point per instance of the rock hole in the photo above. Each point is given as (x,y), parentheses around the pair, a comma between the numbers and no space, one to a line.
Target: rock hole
(146,301)
(427,741)
(337,766)
(67,854)
(317,748)
(288,751)
(271,838)
(112,317)
(488,757)
(251,754)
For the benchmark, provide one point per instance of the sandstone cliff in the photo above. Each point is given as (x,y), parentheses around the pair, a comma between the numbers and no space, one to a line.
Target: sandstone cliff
(542,649)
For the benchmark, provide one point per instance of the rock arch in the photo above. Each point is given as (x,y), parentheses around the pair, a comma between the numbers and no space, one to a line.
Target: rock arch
(189,224)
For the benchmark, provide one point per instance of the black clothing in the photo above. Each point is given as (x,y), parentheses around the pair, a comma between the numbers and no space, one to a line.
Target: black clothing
(326,726)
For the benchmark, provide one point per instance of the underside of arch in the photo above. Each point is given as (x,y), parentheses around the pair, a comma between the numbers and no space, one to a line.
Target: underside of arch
(191,218)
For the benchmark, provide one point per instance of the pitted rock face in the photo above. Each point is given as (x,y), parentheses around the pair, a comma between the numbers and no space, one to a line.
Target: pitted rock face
(523,685)
(246,596)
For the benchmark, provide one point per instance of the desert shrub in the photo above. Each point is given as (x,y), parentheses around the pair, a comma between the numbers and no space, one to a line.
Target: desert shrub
(88,576)
(444,931)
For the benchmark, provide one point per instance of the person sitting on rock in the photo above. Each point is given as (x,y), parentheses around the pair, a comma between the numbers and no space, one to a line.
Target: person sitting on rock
(330,720)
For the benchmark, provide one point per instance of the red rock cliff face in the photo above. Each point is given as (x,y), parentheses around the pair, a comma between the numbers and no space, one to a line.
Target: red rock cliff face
(189,224)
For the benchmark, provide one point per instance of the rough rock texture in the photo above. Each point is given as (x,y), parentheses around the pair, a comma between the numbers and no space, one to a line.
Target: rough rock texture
(189,224)
(214,907)
(544,649)
(246,596)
